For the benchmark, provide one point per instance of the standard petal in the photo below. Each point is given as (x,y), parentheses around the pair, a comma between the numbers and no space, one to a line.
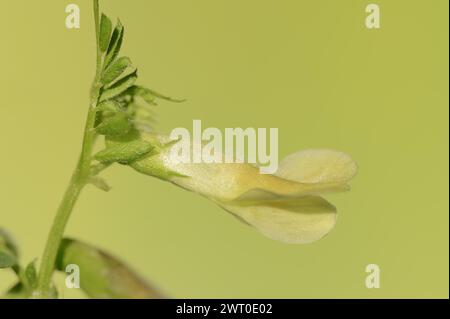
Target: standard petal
(297,221)
(318,166)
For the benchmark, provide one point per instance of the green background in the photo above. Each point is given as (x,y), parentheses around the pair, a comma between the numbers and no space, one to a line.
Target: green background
(310,68)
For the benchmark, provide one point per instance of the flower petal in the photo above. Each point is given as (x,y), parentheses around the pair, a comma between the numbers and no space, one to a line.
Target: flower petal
(318,166)
(297,221)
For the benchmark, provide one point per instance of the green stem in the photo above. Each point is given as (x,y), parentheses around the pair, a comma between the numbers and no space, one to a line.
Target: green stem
(79,179)
(55,236)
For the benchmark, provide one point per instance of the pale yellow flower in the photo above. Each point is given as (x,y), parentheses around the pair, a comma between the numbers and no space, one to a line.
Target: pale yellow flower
(286,206)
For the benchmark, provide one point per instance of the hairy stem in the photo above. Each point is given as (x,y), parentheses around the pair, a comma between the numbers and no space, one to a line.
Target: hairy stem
(79,179)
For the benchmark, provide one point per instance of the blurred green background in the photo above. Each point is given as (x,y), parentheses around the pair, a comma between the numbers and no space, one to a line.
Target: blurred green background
(310,68)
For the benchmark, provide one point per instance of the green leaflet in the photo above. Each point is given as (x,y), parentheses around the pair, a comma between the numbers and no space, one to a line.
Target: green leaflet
(7,240)
(116,69)
(163,97)
(149,95)
(115,44)
(125,152)
(105,32)
(143,93)
(102,275)
(8,250)
(118,124)
(119,87)
(7,258)
(31,275)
